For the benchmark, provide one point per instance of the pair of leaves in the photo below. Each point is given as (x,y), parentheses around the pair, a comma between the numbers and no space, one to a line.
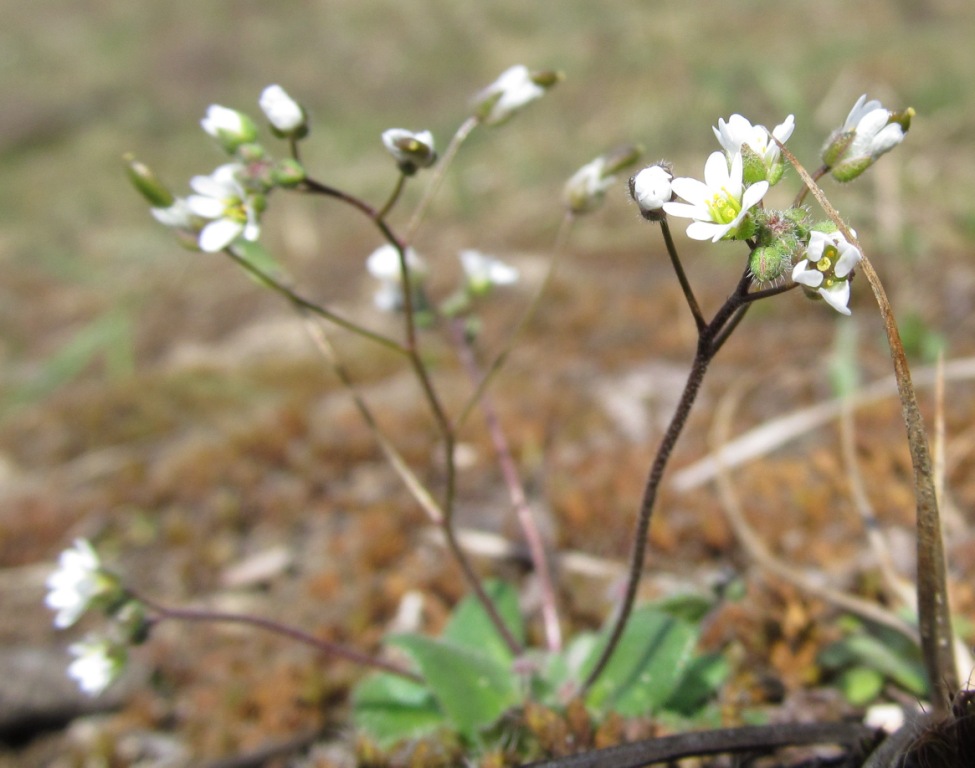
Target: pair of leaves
(469,681)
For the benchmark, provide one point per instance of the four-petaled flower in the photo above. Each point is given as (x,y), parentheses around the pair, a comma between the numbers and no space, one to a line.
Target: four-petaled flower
(483,271)
(384,265)
(720,203)
(283,113)
(761,155)
(827,267)
(96,665)
(232,211)
(78,581)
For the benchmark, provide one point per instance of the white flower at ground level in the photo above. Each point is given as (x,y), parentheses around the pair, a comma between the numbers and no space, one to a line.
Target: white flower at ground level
(96,665)
(231,210)
(720,203)
(282,112)
(515,88)
(650,189)
(411,150)
(483,271)
(870,130)
(761,155)
(826,269)
(229,127)
(78,580)
(384,265)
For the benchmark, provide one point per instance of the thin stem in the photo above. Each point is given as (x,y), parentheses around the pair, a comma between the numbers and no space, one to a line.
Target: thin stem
(331,648)
(393,197)
(529,313)
(682,277)
(816,176)
(438,175)
(516,492)
(934,617)
(306,305)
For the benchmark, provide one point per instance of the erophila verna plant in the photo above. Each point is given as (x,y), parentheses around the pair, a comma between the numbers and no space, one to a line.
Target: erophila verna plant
(465,682)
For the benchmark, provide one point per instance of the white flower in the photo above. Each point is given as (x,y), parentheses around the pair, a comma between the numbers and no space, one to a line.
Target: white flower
(485,271)
(826,268)
(651,188)
(874,132)
(384,265)
(753,141)
(96,665)
(870,130)
(585,190)
(282,112)
(78,580)
(514,88)
(228,126)
(176,216)
(720,203)
(231,210)
(411,150)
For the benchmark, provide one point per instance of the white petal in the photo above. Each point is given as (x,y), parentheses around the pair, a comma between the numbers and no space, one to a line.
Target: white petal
(706,230)
(784,129)
(803,275)
(838,296)
(849,257)
(716,172)
(753,194)
(218,234)
(693,191)
(206,207)
(685,211)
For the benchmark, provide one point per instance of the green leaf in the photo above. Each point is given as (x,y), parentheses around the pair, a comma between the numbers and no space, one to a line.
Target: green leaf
(904,670)
(472,689)
(391,709)
(257,256)
(471,627)
(702,679)
(860,685)
(652,656)
(688,607)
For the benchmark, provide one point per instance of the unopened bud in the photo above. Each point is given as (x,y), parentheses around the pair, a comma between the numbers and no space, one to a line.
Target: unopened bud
(147,183)
(229,127)
(411,150)
(286,116)
(650,189)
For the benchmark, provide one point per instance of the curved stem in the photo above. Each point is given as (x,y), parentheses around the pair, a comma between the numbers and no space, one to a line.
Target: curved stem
(269,625)
(516,492)
(682,277)
(438,176)
(393,197)
(306,305)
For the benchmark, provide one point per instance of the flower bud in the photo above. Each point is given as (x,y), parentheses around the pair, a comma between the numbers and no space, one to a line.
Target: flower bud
(288,173)
(768,263)
(585,191)
(147,183)
(286,116)
(229,127)
(515,88)
(650,189)
(410,150)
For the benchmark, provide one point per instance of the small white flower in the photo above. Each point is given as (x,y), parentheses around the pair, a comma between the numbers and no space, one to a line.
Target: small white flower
(231,210)
(176,216)
(282,112)
(485,271)
(829,260)
(515,88)
(650,189)
(96,665)
(228,126)
(77,581)
(585,190)
(720,203)
(870,130)
(875,134)
(738,133)
(411,150)
(384,265)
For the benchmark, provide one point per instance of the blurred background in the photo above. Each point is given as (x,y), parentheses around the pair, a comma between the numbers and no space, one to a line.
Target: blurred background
(140,402)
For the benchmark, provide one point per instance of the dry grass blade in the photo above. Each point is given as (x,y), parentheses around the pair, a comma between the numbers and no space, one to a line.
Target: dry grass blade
(934,617)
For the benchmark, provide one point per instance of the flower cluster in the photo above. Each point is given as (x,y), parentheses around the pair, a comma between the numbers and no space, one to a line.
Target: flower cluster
(81,584)
(728,204)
